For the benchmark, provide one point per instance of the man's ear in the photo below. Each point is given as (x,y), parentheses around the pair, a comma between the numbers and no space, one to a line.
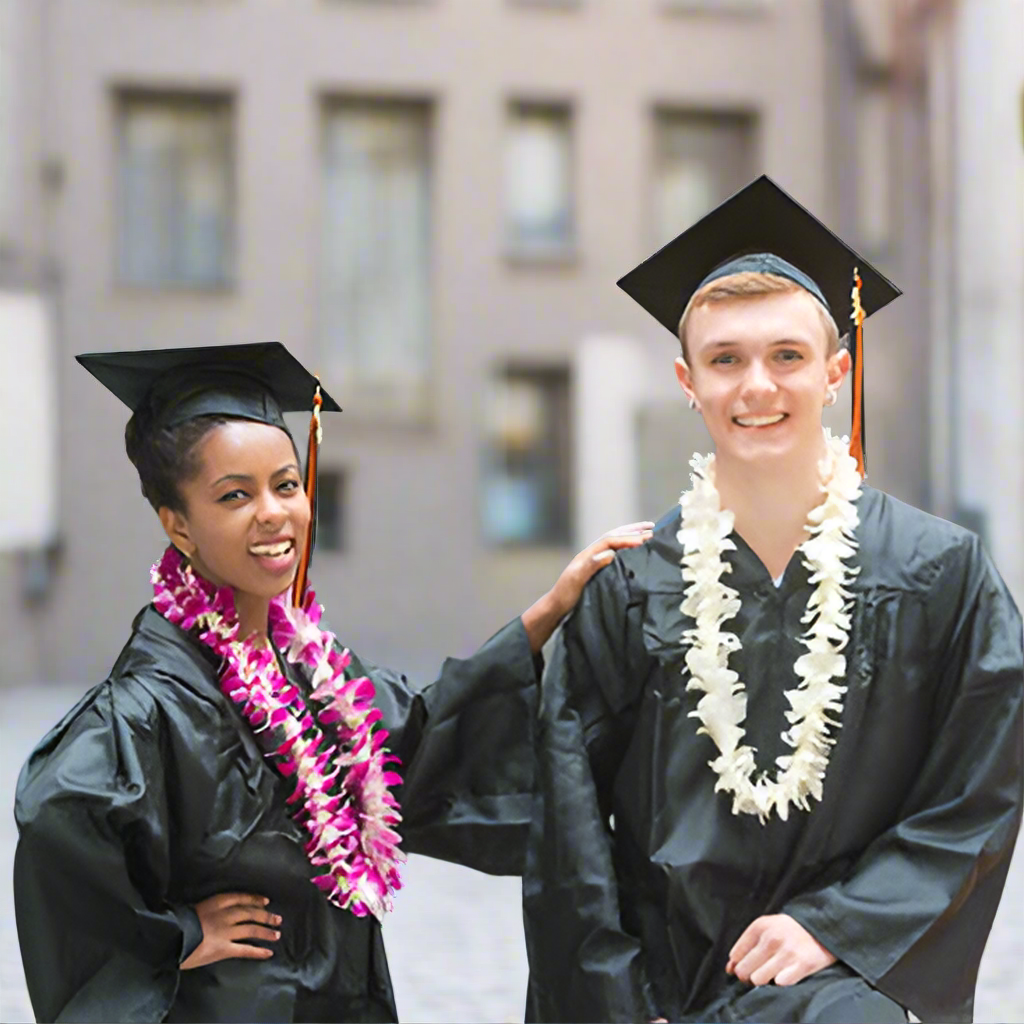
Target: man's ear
(176,527)
(837,367)
(685,379)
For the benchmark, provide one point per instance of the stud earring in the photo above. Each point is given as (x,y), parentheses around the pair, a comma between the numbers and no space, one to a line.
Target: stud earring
(831,398)
(693,402)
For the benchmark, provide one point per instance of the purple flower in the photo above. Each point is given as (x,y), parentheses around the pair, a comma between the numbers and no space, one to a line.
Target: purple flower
(341,795)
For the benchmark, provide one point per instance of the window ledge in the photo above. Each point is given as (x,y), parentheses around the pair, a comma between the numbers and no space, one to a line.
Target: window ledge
(726,8)
(381,3)
(563,4)
(509,548)
(542,256)
(218,289)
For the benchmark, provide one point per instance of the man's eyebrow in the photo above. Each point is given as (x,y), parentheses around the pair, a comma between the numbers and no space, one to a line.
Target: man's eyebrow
(725,343)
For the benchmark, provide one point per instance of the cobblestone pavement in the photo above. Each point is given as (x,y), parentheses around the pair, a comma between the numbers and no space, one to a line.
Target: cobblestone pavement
(455,940)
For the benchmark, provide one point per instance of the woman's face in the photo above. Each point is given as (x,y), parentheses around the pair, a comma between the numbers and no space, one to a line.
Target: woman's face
(246,513)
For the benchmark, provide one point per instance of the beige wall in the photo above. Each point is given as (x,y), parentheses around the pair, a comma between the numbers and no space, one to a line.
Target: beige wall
(988,276)
(417,581)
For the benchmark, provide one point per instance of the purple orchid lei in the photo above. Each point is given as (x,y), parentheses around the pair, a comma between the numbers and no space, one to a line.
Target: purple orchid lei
(342,789)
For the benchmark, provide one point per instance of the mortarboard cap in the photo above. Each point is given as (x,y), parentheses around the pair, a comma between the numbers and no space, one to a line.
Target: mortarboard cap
(254,382)
(764,221)
(763,228)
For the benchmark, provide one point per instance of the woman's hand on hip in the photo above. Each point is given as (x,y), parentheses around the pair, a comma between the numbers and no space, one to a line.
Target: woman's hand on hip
(227,920)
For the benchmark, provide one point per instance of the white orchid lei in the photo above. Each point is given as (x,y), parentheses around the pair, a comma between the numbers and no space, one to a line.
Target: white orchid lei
(341,796)
(704,535)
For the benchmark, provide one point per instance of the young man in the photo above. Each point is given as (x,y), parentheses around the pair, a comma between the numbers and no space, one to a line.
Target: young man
(781,745)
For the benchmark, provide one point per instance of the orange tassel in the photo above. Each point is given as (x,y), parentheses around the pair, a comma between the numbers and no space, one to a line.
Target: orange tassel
(857,430)
(315,437)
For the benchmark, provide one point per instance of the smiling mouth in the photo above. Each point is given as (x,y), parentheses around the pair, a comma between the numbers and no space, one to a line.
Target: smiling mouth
(759,421)
(272,550)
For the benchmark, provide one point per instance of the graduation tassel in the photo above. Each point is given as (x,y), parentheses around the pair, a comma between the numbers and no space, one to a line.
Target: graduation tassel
(858,438)
(316,435)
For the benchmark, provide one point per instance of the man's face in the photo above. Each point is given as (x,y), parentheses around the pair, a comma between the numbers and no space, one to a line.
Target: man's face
(759,373)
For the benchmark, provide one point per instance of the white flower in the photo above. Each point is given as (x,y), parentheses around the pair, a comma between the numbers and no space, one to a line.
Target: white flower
(817,702)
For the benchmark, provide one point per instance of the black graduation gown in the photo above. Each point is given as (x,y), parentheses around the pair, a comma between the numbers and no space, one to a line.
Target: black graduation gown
(152,795)
(639,878)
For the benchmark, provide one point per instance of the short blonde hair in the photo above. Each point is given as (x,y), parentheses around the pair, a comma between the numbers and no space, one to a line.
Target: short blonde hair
(750,284)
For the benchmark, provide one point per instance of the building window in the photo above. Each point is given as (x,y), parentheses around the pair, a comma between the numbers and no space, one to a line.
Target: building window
(526,478)
(175,190)
(546,3)
(700,159)
(538,180)
(718,6)
(873,172)
(376,255)
(330,510)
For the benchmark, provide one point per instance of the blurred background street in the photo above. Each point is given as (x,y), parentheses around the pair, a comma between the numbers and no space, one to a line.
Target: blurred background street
(429,202)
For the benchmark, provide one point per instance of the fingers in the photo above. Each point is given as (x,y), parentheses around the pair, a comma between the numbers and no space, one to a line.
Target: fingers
(237,915)
(227,918)
(777,948)
(626,540)
(643,527)
(617,540)
(242,952)
(236,899)
(772,969)
(757,958)
(746,942)
(792,973)
(253,931)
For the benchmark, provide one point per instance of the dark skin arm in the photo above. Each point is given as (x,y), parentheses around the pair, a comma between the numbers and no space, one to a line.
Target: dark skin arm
(541,619)
(228,919)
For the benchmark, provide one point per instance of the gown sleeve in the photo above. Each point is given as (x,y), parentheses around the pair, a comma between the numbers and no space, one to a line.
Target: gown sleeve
(913,913)
(99,940)
(584,964)
(465,743)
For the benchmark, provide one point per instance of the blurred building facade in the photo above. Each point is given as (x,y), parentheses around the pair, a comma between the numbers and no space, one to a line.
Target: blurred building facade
(429,202)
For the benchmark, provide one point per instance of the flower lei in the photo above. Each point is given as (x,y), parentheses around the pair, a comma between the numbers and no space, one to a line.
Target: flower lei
(346,806)
(704,535)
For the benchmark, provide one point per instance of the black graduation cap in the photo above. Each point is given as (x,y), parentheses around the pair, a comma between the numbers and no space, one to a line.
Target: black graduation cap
(763,228)
(254,382)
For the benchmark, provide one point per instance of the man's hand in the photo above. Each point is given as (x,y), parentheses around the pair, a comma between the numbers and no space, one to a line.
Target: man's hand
(777,948)
(542,618)
(226,918)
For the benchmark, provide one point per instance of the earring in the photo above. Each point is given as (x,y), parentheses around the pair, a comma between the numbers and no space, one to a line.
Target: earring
(831,397)
(693,402)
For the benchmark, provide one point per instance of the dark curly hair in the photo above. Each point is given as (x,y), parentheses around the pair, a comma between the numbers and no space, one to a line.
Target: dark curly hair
(166,457)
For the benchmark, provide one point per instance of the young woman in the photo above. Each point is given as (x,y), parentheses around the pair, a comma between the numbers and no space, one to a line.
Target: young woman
(212,833)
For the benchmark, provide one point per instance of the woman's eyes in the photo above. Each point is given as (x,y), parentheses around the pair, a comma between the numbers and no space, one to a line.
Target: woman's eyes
(285,487)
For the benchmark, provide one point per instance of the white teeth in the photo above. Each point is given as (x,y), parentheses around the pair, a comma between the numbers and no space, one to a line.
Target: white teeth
(758,421)
(271,549)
